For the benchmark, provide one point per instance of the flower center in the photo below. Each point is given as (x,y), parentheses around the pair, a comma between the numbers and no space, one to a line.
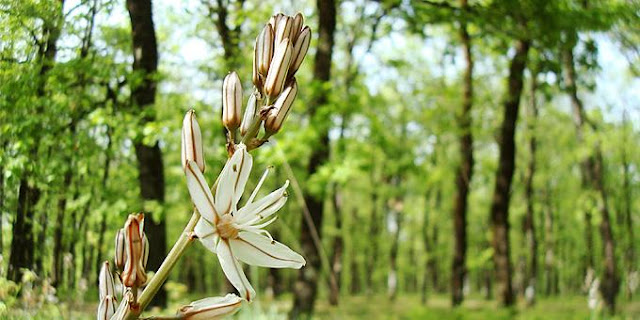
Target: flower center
(225,227)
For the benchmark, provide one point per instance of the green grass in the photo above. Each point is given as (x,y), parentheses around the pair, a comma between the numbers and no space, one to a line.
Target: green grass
(406,307)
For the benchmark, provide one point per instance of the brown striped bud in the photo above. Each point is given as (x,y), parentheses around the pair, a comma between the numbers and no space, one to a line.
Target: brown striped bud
(211,308)
(273,21)
(192,141)
(300,50)
(298,22)
(107,308)
(249,114)
(278,69)
(121,251)
(264,50)
(106,285)
(231,101)
(283,29)
(133,274)
(277,115)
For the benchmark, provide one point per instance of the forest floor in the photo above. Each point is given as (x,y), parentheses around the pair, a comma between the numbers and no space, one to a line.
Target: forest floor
(377,307)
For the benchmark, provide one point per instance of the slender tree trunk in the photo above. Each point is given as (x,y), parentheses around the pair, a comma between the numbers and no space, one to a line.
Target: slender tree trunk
(374,230)
(338,240)
(355,270)
(504,176)
(150,167)
(22,244)
(464,172)
(594,168)
(306,287)
(630,252)
(392,277)
(338,247)
(529,221)
(549,244)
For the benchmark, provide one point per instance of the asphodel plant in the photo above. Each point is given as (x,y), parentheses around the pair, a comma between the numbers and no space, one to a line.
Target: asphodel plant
(234,233)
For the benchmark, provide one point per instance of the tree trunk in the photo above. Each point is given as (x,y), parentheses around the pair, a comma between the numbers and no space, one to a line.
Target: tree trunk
(464,172)
(150,167)
(529,221)
(630,252)
(338,247)
(306,287)
(549,243)
(593,168)
(504,175)
(392,277)
(229,35)
(374,229)
(22,243)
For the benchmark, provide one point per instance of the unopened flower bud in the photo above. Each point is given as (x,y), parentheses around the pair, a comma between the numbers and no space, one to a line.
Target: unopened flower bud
(211,308)
(300,50)
(107,308)
(121,251)
(231,101)
(192,141)
(277,115)
(283,29)
(273,21)
(133,274)
(298,22)
(105,282)
(249,114)
(264,50)
(278,68)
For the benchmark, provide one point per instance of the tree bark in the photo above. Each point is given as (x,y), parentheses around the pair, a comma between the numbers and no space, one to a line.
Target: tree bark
(593,168)
(464,172)
(150,167)
(504,176)
(529,221)
(306,286)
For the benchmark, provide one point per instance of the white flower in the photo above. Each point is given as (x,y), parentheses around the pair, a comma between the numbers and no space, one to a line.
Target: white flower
(237,234)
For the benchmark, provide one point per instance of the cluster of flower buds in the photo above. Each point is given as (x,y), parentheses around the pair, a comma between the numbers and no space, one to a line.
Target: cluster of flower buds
(133,257)
(279,51)
(107,291)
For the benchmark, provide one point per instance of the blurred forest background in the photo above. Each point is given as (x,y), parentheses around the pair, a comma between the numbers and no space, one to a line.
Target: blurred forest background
(472,153)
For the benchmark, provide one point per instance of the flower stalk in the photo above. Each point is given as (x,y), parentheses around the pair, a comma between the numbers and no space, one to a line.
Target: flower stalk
(234,234)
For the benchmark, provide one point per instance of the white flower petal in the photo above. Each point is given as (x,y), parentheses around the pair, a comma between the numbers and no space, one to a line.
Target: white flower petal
(206,234)
(199,191)
(233,179)
(264,207)
(258,250)
(234,272)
